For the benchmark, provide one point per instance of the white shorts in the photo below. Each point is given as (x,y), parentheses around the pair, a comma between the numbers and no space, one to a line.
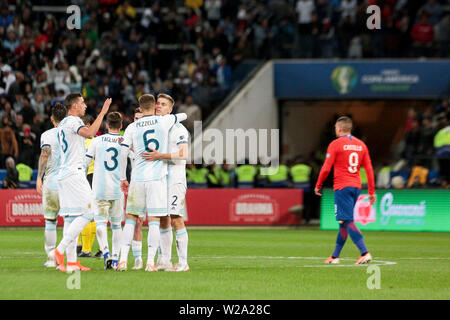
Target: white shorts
(176,201)
(108,210)
(76,196)
(50,201)
(147,195)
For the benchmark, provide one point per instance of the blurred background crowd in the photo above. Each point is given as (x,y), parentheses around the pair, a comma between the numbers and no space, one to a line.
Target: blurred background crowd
(192,50)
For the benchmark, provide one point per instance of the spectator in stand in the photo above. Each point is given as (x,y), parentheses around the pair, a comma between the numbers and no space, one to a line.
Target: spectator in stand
(223,73)
(412,115)
(261,31)
(27,140)
(348,9)
(16,87)
(212,8)
(422,35)
(304,11)
(412,140)
(442,149)
(9,145)
(9,114)
(38,105)
(12,175)
(11,43)
(284,38)
(8,78)
(427,133)
(434,9)
(193,112)
(6,18)
(27,111)
(442,35)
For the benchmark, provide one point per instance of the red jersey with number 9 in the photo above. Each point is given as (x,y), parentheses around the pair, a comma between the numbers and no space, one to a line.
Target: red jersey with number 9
(347,154)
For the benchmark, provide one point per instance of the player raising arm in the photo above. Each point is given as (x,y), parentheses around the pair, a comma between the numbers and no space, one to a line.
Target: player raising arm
(176,192)
(346,154)
(47,182)
(75,194)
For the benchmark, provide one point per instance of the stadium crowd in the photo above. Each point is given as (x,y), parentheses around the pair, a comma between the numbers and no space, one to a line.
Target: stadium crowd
(425,148)
(187,48)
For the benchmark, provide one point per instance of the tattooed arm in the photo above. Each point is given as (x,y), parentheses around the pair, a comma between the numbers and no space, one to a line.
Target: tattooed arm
(43,159)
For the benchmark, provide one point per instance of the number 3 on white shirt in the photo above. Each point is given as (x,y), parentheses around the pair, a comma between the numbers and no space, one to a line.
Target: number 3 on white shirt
(353,162)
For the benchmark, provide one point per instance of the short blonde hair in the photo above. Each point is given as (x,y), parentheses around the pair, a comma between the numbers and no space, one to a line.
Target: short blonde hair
(146,101)
(166,96)
(345,123)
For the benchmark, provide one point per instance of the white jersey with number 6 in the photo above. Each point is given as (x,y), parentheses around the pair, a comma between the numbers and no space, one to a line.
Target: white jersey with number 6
(150,132)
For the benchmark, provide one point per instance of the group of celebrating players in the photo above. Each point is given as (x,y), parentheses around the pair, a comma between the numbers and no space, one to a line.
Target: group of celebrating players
(157,145)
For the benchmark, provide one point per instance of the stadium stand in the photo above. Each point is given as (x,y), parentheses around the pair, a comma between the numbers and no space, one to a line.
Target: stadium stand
(198,51)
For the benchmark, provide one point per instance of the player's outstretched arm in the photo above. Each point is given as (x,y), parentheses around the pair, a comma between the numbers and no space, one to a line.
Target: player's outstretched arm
(43,159)
(93,129)
(181,154)
(123,161)
(180,117)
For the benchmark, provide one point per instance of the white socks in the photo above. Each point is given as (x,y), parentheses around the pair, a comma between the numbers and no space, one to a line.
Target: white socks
(166,244)
(152,241)
(71,249)
(127,238)
(136,247)
(102,237)
(116,238)
(49,236)
(181,238)
(71,231)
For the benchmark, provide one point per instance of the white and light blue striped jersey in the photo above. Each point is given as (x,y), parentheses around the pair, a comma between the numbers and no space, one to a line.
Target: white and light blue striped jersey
(150,132)
(132,158)
(50,138)
(105,149)
(73,152)
(177,168)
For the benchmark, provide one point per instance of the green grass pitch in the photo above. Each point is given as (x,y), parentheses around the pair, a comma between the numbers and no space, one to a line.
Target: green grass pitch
(243,264)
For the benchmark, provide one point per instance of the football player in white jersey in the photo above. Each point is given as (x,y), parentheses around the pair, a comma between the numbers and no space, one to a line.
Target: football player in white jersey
(75,194)
(176,182)
(136,244)
(109,199)
(47,183)
(148,190)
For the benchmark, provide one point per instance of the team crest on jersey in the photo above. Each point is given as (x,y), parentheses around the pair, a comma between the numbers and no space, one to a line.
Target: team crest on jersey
(181,137)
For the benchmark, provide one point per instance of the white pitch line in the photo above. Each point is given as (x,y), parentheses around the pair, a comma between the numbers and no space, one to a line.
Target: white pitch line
(375,262)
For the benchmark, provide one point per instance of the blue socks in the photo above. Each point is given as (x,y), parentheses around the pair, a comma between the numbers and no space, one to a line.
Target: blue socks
(340,241)
(345,229)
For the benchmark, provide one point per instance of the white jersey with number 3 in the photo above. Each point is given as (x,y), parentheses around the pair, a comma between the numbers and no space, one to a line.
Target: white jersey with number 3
(72,146)
(105,149)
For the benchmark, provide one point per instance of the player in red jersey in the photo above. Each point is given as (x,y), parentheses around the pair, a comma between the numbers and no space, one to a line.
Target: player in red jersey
(347,154)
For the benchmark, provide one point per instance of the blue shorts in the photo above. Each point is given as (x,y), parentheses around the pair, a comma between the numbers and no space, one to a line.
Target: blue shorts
(344,203)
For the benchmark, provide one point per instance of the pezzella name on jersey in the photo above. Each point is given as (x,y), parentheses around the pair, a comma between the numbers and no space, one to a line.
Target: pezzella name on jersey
(146,123)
